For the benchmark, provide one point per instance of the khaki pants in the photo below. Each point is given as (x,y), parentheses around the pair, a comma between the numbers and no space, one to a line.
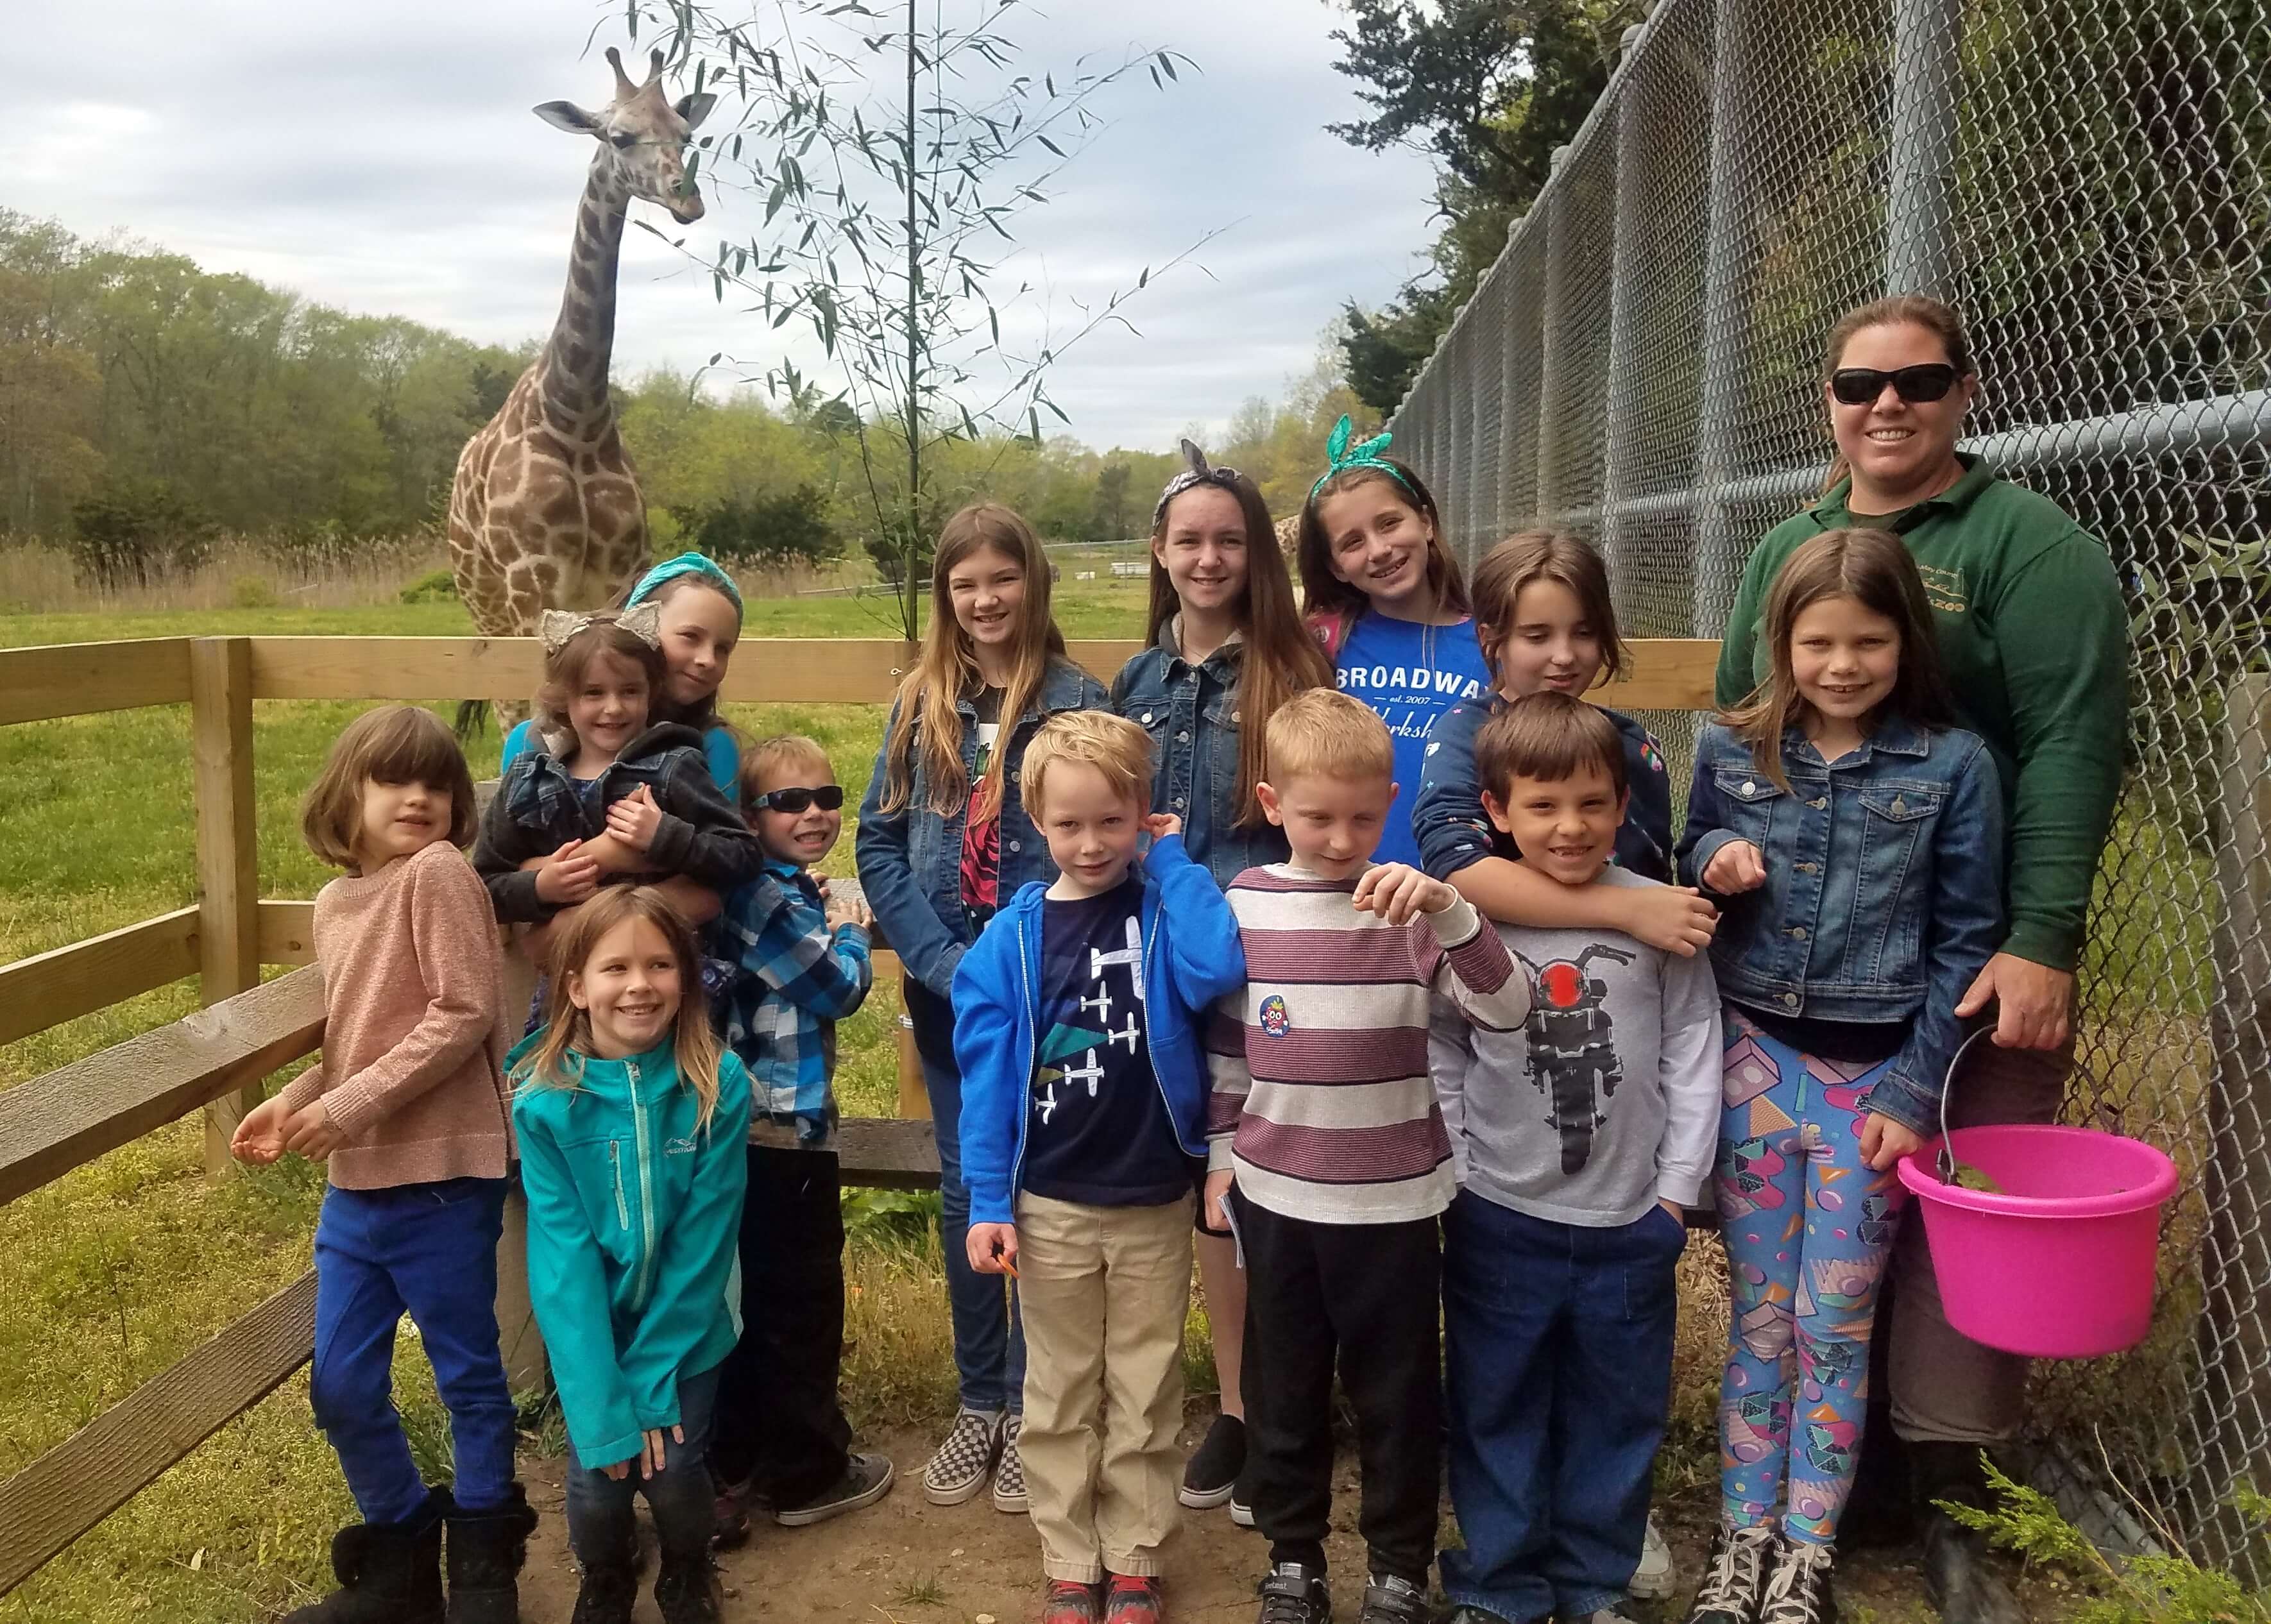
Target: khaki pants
(1105,1290)
(1946,1388)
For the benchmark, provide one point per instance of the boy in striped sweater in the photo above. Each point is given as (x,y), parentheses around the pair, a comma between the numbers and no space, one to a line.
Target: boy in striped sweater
(1328,1148)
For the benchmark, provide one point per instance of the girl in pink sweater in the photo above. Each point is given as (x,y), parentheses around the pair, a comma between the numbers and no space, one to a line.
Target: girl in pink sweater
(408,1109)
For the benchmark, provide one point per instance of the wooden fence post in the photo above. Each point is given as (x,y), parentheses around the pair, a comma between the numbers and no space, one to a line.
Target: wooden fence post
(915,1095)
(228,880)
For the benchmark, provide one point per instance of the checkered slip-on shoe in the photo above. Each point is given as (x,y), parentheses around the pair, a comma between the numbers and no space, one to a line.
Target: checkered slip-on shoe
(1009,1472)
(958,1469)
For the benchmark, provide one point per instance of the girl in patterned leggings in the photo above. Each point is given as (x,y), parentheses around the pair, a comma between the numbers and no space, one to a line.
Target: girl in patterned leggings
(1854,840)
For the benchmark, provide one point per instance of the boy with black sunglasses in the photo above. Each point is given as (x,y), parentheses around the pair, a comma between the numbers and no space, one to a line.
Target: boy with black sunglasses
(779,1442)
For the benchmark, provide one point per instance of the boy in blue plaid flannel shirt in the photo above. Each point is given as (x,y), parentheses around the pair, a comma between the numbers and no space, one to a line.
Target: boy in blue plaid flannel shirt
(780,1443)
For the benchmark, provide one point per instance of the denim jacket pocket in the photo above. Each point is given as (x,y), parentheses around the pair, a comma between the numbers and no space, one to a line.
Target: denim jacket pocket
(1896,834)
(1751,798)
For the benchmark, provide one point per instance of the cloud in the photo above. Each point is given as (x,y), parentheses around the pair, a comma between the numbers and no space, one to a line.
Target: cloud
(382,159)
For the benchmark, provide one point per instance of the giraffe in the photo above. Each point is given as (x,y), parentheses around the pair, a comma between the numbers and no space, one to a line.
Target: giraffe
(546,510)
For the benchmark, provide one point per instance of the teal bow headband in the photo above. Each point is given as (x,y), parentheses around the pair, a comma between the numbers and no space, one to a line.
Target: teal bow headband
(1370,454)
(685,564)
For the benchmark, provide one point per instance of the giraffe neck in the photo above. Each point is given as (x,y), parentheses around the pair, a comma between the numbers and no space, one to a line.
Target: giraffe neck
(582,340)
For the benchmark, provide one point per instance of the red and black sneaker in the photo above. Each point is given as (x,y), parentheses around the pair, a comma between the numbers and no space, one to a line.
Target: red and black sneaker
(1063,1602)
(1133,1598)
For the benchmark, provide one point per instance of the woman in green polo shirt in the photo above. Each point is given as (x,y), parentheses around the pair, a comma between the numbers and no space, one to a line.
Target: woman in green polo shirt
(2035,638)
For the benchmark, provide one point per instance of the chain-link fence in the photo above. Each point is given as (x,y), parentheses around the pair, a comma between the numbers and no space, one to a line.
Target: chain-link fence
(2091,184)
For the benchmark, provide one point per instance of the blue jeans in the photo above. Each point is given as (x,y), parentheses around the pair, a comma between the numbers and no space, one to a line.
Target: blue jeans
(989,1338)
(1559,1358)
(601,1527)
(429,1250)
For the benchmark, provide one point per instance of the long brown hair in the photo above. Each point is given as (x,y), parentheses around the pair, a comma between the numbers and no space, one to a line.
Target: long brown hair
(558,1062)
(1545,555)
(947,666)
(394,744)
(1280,657)
(1872,567)
(1325,595)
(1934,316)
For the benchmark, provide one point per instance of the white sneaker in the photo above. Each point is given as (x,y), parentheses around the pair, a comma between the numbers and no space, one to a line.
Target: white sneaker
(1653,1579)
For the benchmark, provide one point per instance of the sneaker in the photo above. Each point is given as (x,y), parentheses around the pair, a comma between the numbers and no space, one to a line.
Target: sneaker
(1009,1471)
(1212,1477)
(1241,1503)
(730,1517)
(867,1479)
(1653,1579)
(959,1468)
(1735,1575)
(1293,1594)
(1798,1592)
(1133,1598)
(1390,1600)
(1063,1602)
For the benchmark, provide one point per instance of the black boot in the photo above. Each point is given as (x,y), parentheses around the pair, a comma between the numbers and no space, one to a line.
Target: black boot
(687,1591)
(389,1573)
(487,1550)
(1959,1576)
(610,1586)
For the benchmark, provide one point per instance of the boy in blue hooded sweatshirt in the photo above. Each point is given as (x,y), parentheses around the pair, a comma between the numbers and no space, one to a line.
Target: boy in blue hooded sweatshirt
(632,1124)
(1078,1021)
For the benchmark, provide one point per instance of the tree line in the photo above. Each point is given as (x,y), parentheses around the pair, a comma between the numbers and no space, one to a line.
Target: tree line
(145,403)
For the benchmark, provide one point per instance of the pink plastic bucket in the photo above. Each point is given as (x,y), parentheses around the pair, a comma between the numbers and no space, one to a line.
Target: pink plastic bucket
(2060,1264)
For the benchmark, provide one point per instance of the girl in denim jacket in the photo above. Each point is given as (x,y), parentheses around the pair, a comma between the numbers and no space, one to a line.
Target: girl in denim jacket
(942,840)
(1223,640)
(1855,842)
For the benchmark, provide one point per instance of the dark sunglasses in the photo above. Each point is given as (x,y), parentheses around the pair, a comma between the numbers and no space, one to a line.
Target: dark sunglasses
(831,797)
(1860,385)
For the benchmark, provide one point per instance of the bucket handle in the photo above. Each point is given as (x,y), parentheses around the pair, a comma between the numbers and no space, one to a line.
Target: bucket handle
(1945,1163)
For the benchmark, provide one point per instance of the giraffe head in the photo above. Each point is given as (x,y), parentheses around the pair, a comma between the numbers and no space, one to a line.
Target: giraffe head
(644,135)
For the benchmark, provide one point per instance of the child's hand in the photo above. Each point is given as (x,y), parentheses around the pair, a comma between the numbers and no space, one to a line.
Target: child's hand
(993,1248)
(1159,825)
(1884,1141)
(1734,868)
(1217,1199)
(650,1455)
(1677,918)
(1397,892)
(568,877)
(259,1138)
(850,910)
(310,1132)
(635,818)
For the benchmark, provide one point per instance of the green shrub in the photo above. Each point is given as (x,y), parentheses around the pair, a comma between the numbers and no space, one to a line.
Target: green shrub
(138,532)
(252,592)
(435,586)
(769,532)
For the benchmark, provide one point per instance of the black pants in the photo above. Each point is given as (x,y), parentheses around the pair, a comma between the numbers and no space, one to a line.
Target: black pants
(779,1422)
(1368,1295)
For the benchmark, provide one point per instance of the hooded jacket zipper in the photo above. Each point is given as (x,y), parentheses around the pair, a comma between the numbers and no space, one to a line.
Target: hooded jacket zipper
(1025,1091)
(640,1281)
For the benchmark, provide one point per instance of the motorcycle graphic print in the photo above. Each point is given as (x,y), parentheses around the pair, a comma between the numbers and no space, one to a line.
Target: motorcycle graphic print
(1573,1047)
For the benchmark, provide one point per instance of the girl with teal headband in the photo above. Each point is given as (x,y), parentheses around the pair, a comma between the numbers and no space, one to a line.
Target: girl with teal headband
(701,610)
(1384,595)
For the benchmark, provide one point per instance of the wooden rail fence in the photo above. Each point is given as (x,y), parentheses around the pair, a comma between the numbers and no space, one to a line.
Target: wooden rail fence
(218,1058)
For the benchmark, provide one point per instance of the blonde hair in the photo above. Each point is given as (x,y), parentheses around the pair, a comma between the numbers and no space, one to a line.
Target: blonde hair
(1115,746)
(558,1060)
(1545,555)
(1323,730)
(768,755)
(1278,658)
(947,668)
(394,744)
(1874,569)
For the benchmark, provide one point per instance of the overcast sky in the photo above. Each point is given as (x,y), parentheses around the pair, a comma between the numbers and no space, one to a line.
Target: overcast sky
(382,158)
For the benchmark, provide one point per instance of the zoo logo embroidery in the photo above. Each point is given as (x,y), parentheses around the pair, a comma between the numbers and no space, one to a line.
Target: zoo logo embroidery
(1274,1019)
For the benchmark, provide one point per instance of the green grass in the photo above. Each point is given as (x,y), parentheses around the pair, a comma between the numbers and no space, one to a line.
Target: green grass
(114,1271)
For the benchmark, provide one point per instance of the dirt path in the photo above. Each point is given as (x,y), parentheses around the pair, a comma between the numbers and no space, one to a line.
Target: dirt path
(906,1562)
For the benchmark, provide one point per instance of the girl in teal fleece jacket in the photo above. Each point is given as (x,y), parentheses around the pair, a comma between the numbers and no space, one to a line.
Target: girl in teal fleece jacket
(632,1122)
